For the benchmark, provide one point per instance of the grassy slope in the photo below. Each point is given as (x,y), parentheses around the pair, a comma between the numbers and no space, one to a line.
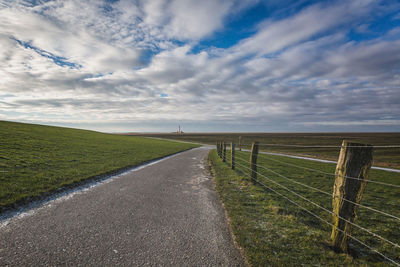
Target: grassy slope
(36,159)
(385,157)
(274,232)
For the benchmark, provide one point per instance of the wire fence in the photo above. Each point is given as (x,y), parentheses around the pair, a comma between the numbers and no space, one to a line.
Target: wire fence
(321,191)
(324,209)
(317,146)
(325,221)
(325,146)
(327,173)
(249,169)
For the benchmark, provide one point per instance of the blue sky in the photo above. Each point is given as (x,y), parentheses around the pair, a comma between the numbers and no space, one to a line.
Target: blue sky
(211,65)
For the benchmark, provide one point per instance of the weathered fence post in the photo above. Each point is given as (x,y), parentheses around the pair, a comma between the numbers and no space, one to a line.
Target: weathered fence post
(232,156)
(253,161)
(355,160)
(240,148)
(224,153)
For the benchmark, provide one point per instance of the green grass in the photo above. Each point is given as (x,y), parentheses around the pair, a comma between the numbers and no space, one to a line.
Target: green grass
(36,160)
(384,157)
(275,232)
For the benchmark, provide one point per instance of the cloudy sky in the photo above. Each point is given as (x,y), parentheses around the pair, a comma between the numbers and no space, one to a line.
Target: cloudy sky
(210,65)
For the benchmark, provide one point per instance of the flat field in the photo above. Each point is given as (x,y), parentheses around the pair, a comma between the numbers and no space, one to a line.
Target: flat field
(36,160)
(383,157)
(276,232)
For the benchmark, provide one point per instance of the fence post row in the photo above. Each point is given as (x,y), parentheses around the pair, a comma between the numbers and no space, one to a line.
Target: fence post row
(224,153)
(232,156)
(253,161)
(355,160)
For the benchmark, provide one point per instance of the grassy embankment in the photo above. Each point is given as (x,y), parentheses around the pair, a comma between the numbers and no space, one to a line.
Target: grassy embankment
(275,232)
(36,160)
(384,157)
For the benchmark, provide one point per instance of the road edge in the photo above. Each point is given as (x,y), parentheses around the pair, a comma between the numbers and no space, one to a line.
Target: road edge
(242,251)
(33,202)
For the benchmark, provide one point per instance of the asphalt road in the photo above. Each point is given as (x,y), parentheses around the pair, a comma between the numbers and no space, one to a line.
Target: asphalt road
(166,214)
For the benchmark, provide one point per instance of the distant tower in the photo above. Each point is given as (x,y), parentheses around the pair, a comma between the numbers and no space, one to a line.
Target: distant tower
(179,130)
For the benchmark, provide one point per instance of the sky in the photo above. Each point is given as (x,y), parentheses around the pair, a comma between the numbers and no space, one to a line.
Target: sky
(209,66)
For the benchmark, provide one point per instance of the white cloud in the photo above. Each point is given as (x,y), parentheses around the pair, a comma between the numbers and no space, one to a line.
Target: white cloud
(299,68)
(192,19)
(274,36)
(173,65)
(57,29)
(353,123)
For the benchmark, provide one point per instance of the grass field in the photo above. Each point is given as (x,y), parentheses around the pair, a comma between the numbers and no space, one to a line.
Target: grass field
(384,157)
(275,232)
(36,160)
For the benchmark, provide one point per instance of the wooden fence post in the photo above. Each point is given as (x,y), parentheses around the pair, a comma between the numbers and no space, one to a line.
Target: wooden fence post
(240,139)
(355,160)
(224,153)
(232,156)
(253,161)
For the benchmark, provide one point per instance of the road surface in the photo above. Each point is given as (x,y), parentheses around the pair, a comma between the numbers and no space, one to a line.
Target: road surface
(165,214)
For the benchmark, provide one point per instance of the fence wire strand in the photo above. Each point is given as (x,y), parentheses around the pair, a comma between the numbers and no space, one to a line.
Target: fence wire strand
(323,220)
(326,193)
(327,173)
(325,146)
(319,206)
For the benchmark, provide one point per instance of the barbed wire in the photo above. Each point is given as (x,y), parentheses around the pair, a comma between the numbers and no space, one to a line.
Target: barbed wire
(326,193)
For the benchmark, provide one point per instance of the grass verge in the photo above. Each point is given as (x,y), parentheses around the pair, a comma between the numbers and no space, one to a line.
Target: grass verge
(36,160)
(274,232)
